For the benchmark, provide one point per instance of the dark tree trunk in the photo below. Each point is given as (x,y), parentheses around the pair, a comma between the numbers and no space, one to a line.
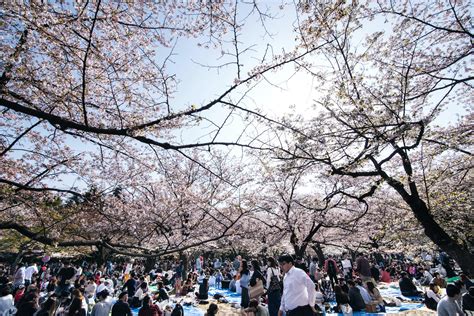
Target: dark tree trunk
(103,254)
(150,263)
(319,252)
(438,235)
(18,258)
(185,260)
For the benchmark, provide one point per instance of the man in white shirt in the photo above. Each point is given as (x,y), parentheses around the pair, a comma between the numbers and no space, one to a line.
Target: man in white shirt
(298,297)
(19,278)
(32,269)
(347,267)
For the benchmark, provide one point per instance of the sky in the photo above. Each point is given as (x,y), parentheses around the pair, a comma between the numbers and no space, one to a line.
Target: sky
(199,85)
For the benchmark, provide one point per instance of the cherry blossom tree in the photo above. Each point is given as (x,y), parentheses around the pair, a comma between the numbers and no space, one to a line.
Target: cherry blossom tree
(381,100)
(89,126)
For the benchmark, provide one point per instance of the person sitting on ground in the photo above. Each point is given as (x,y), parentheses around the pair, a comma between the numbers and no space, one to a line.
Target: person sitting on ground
(355,298)
(319,298)
(432,297)
(363,292)
(439,280)
(28,305)
(48,308)
(203,290)
(6,299)
(448,306)
(376,298)
(139,295)
(149,309)
(384,275)
(212,310)
(468,300)
(187,287)
(232,285)
(426,276)
(121,307)
(255,309)
(341,298)
(407,287)
(101,308)
(162,293)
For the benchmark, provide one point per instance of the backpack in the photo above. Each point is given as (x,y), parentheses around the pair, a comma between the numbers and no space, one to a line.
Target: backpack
(275,284)
(177,310)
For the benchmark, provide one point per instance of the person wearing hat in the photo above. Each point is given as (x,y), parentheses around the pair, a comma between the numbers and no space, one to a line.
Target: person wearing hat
(468,300)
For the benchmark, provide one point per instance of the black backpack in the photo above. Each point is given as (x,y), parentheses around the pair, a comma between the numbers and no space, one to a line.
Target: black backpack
(275,284)
(177,310)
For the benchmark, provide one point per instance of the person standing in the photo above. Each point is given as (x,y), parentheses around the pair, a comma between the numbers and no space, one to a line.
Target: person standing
(29,272)
(330,267)
(273,287)
(312,268)
(244,284)
(363,268)
(19,278)
(256,276)
(298,297)
(346,264)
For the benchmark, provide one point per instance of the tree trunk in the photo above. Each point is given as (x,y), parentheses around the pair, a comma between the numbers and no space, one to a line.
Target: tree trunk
(150,263)
(319,252)
(300,250)
(438,235)
(185,261)
(18,257)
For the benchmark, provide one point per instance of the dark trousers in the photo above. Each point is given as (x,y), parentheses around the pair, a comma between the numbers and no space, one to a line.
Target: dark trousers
(245,299)
(301,311)
(274,300)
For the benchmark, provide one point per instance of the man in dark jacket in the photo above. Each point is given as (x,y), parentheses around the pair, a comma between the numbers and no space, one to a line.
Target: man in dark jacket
(131,285)
(121,308)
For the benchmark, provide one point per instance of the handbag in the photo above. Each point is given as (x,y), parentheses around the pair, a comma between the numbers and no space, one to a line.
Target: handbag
(257,290)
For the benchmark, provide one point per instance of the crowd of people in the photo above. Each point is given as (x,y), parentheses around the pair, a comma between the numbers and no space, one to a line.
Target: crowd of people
(268,286)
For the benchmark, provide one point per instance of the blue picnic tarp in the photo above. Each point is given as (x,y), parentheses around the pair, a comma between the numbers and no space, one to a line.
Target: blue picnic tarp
(386,290)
